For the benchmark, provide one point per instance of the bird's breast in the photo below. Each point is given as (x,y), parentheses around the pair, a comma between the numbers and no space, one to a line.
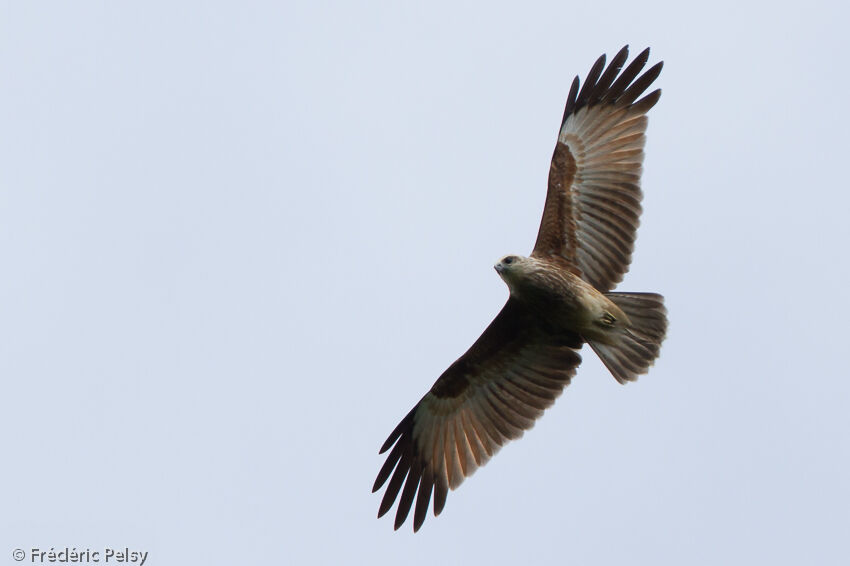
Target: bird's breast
(560,297)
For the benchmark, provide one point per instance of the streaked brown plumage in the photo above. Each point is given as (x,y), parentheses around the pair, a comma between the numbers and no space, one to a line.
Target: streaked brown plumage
(559,299)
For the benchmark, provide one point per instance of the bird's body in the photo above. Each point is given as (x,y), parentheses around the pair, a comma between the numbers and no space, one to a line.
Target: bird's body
(560,298)
(554,293)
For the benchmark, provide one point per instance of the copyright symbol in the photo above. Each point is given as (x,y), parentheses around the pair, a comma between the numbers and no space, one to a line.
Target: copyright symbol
(18,554)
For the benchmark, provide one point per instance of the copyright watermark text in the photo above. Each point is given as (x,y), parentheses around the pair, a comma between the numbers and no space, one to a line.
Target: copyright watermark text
(81,556)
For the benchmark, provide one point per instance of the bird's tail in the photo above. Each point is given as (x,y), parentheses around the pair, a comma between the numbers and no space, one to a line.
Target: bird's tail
(636,345)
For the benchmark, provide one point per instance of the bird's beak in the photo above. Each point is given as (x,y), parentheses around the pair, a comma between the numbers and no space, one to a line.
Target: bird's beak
(499,267)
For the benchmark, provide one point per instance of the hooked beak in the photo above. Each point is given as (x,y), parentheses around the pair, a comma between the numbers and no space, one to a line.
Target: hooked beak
(499,267)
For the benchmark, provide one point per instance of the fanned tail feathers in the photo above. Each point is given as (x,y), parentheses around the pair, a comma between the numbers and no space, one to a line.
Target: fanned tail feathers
(638,344)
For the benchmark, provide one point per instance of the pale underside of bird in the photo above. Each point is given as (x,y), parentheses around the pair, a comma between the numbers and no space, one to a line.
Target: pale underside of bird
(560,298)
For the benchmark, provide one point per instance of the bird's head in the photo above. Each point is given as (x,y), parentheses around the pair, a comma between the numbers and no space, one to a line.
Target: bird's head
(511,268)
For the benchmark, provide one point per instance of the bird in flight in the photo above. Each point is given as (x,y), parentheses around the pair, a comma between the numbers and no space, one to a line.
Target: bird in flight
(560,298)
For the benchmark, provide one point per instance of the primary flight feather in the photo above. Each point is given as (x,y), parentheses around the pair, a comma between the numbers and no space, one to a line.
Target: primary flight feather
(559,299)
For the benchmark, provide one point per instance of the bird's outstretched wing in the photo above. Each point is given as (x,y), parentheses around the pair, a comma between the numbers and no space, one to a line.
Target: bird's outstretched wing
(593,203)
(490,395)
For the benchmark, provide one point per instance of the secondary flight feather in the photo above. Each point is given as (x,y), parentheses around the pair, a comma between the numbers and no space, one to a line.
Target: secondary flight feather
(560,298)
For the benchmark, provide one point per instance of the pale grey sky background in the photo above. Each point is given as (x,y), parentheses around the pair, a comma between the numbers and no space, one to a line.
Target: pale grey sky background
(240,240)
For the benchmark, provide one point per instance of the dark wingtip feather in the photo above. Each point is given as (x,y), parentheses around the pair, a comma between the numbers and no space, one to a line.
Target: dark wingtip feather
(441,491)
(403,468)
(647,102)
(640,85)
(426,485)
(395,484)
(387,443)
(388,466)
(571,99)
(607,78)
(643,56)
(406,422)
(614,85)
(590,82)
(627,76)
(407,495)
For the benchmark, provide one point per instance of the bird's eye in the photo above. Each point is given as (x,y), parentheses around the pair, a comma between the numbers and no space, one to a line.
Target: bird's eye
(509,260)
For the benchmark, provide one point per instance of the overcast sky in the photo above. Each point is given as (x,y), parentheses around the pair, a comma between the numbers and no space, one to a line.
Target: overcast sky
(240,240)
